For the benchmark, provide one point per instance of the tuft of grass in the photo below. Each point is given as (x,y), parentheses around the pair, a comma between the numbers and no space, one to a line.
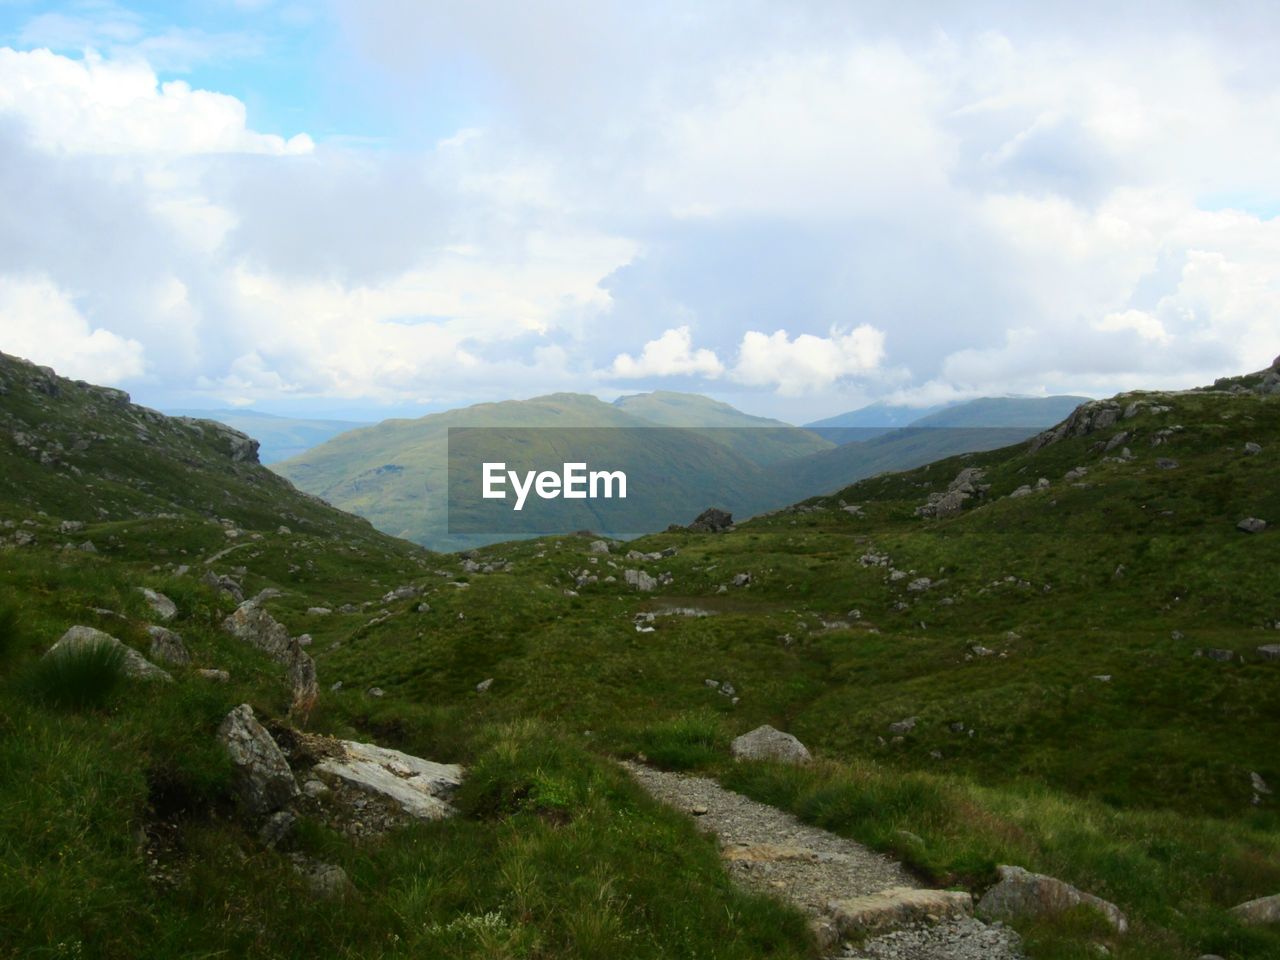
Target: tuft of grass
(685,742)
(80,677)
(9,632)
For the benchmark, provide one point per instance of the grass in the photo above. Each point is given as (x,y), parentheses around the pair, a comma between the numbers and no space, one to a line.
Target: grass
(79,677)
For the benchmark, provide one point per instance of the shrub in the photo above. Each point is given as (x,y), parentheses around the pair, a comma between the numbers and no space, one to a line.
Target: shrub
(79,677)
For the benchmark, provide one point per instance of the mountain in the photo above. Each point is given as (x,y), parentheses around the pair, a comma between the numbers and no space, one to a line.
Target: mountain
(685,452)
(1062,655)
(878,419)
(869,421)
(279,437)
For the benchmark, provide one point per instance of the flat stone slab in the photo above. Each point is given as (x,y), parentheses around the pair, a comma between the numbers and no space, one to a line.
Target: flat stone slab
(420,787)
(898,907)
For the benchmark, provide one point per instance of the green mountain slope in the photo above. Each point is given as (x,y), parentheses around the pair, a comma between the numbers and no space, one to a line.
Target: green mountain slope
(279,437)
(870,421)
(1074,675)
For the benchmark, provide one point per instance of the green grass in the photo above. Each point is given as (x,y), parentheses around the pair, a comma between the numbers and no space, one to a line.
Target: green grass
(80,677)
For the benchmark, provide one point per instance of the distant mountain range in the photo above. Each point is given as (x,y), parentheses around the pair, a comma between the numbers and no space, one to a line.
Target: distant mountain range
(280,437)
(395,473)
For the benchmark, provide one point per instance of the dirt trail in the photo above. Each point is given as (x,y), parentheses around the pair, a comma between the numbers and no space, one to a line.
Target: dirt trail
(770,851)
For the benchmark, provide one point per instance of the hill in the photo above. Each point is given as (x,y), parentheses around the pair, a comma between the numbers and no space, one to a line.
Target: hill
(1061,654)
(279,438)
(869,421)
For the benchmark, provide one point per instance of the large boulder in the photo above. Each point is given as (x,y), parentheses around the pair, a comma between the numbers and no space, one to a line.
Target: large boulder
(1263,911)
(264,782)
(135,664)
(420,787)
(252,624)
(767,743)
(167,647)
(1021,893)
(640,580)
(967,485)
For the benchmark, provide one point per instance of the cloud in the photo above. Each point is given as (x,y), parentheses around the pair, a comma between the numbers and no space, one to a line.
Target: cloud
(120,107)
(39,320)
(672,354)
(807,363)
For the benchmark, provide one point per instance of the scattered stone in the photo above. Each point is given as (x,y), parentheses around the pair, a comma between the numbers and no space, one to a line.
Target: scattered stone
(167,647)
(1164,463)
(1251,525)
(1216,654)
(420,787)
(264,782)
(1269,651)
(223,584)
(741,580)
(315,789)
(897,907)
(904,726)
(1259,785)
(1021,893)
(214,675)
(375,692)
(599,546)
(318,611)
(161,606)
(967,485)
(920,584)
(767,743)
(326,880)
(1252,449)
(484,685)
(135,664)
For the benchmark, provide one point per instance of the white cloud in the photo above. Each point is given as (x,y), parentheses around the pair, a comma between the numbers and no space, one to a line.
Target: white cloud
(120,107)
(807,363)
(672,354)
(1140,322)
(40,323)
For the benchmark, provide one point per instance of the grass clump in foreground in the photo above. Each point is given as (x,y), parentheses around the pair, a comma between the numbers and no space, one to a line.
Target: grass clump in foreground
(79,677)
(1173,875)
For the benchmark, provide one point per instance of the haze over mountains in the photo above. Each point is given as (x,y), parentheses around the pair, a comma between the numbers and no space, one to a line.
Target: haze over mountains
(395,473)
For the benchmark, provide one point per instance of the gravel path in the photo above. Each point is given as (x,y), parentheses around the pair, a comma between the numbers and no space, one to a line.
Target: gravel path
(770,851)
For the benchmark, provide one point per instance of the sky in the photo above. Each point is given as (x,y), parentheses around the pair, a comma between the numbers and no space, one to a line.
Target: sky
(370,208)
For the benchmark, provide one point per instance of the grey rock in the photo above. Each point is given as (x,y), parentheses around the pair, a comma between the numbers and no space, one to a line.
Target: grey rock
(640,580)
(741,579)
(1164,463)
(1261,912)
(1253,449)
(967,485)
(421,788)
(315,788)
(264,782)
(375,692)
(223,584)
(897,907)
(599,546)
(484,685)
(278,829)
(1258,784)
(1217,654)
(214,675)
(904,726)
(167,647)
(1251,525)
(1021,893)
(712,521)
(327,881)
(767,743)
(161,606)
(135,664)
(1269,651)
(318,611)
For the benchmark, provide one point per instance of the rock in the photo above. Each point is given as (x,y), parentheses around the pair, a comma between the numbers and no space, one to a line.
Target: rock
(967,485)
(766,743)
(1022,491)
(278,829)
(599,546)
(1269,651)
(904,726)
(1251,525)
(1164,463)
(640,580)
(223,584)
(1216,654)
(1021,893)
(318,611)
(255,626)
(420,787)
(375,692)
(264,782)
(712,521)
(1258,784)
(741,579)
(920,584)
(303,682)
(87,547)
(161,606)
(167,647)
(315,788)
(325,880)
(1253,449)
(135,664)
(897,907)
(484,685)
(1263,911)
(216,676)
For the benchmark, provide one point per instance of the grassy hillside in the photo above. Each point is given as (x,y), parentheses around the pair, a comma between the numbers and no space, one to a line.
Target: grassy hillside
(279,437)
(1044,641)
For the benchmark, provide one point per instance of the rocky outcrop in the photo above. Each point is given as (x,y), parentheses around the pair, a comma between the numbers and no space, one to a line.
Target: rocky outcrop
(419,787)
(254,625)
(640,580)
(264,783)
(1021,893)
(767,743)
(712,520)
(135,664)
(1087,418)
(240,447)
(967,485)
(897,907)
